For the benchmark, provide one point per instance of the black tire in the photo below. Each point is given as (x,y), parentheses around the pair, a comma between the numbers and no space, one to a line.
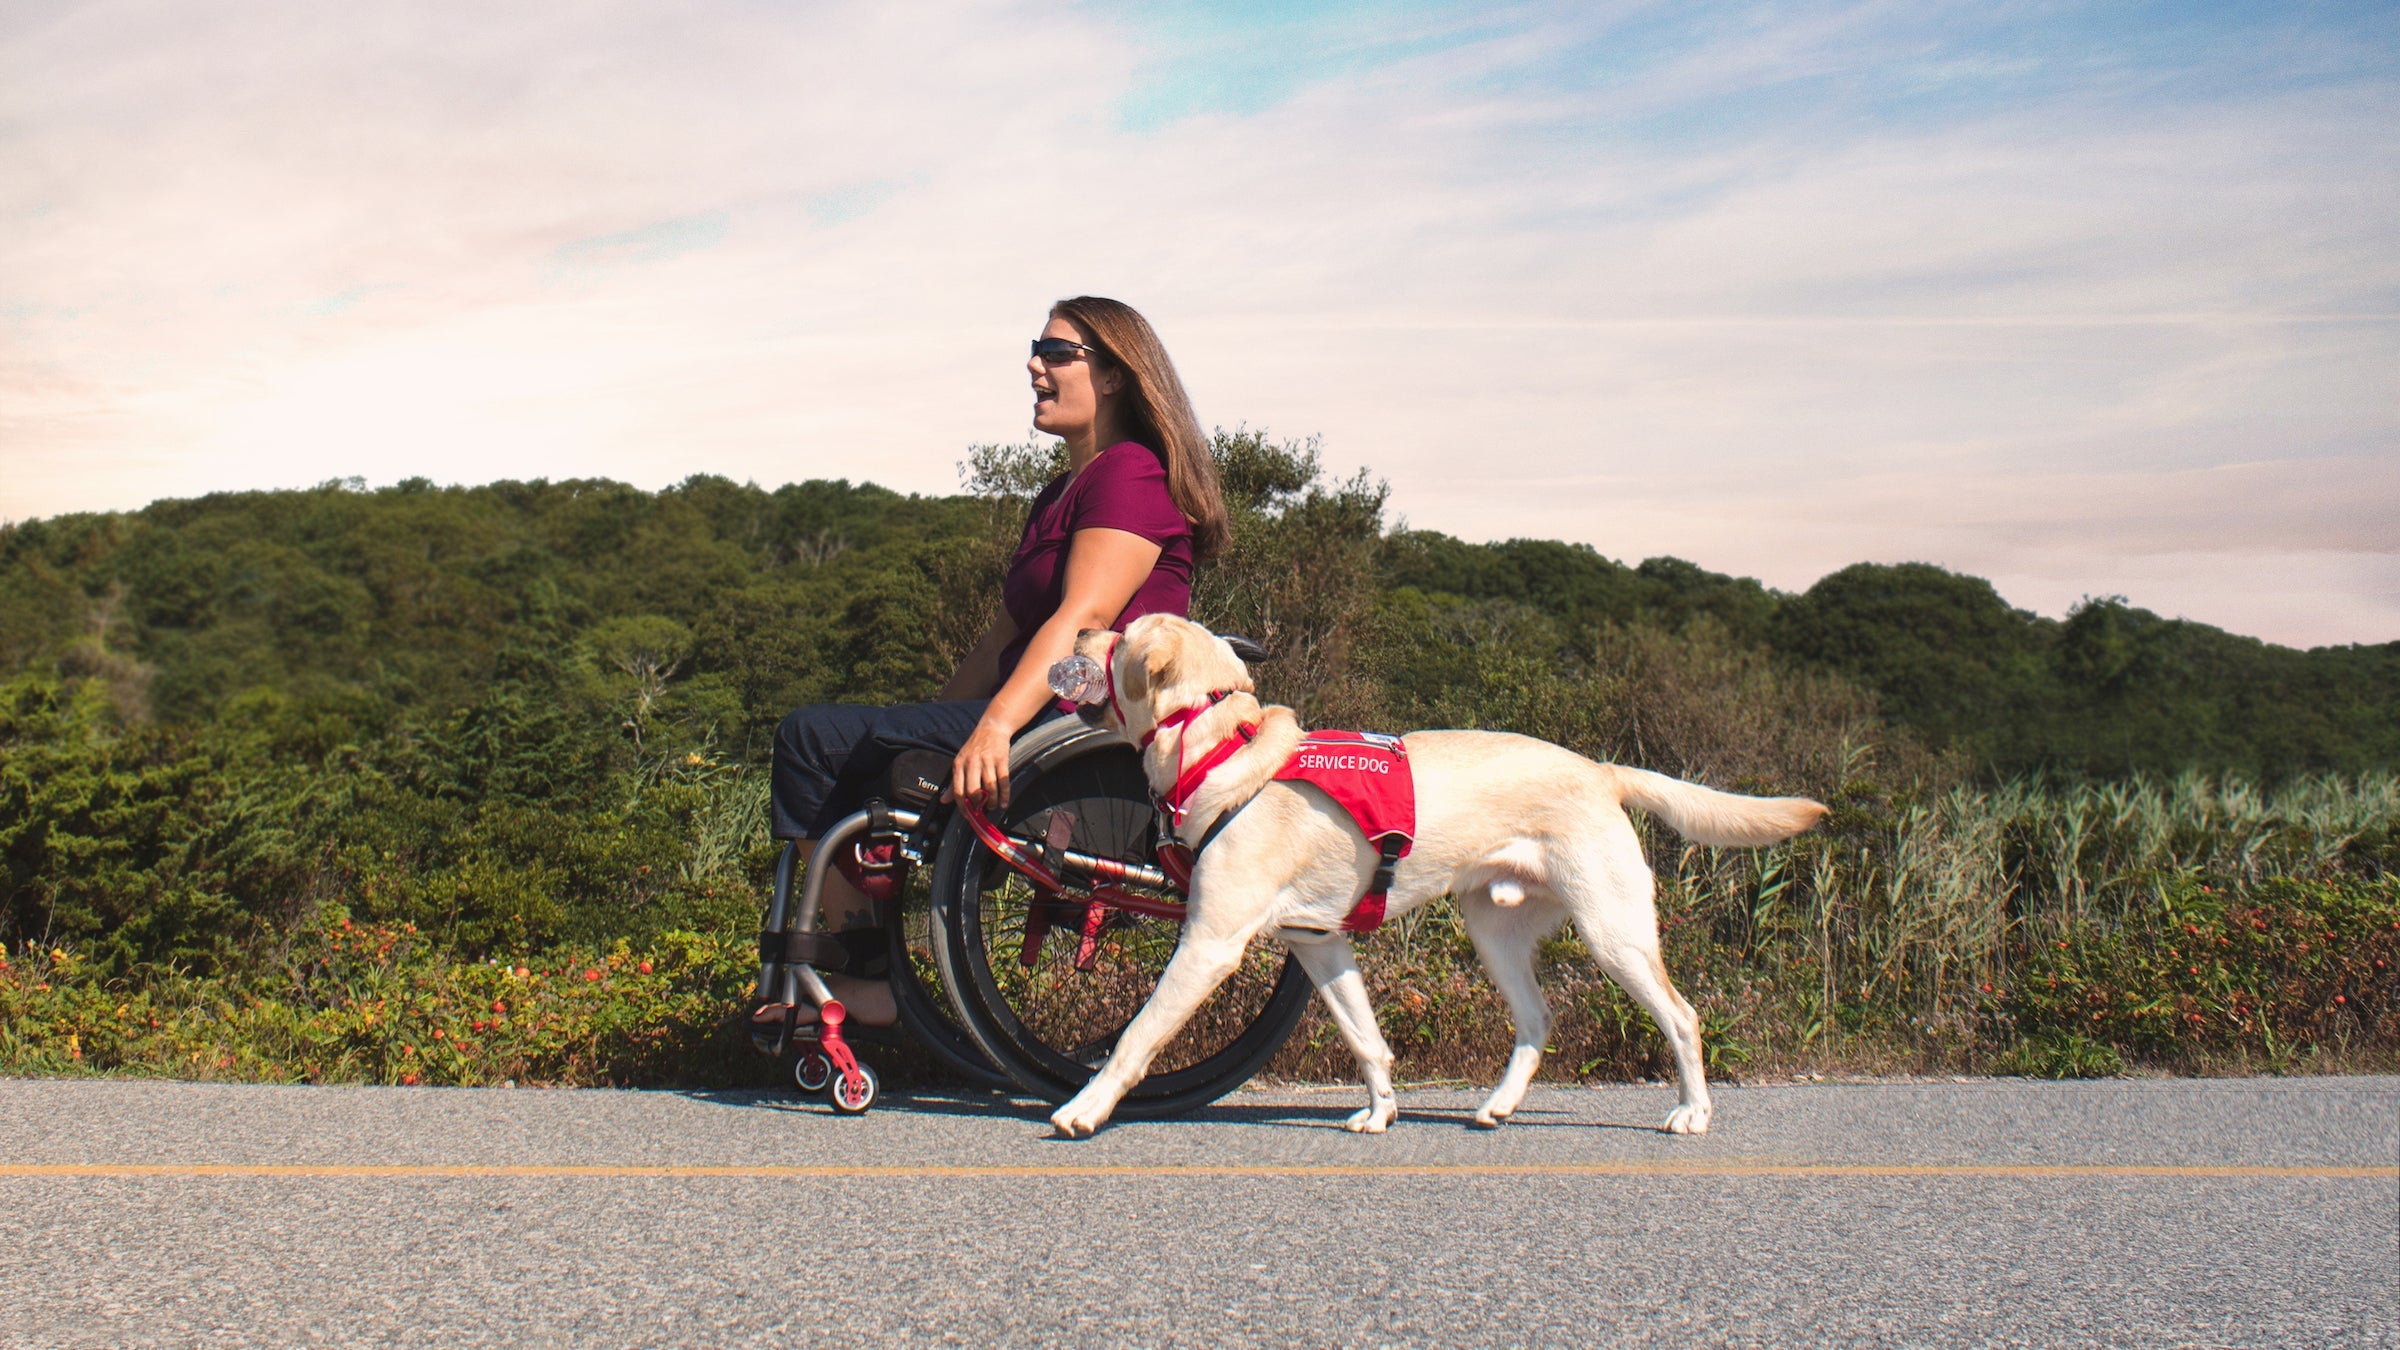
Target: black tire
(1050,1026)
(811,1071)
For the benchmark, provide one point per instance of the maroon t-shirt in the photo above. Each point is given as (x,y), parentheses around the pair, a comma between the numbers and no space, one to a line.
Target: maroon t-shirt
(1123,488)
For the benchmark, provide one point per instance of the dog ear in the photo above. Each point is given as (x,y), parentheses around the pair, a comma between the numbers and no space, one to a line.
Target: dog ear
(1131,672)
(1161,656)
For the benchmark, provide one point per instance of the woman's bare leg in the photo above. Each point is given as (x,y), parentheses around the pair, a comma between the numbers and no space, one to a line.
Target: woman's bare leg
(840,906)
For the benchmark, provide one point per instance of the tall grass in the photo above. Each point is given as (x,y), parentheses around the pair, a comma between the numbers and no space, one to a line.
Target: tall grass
(2055,927)
(1912,902)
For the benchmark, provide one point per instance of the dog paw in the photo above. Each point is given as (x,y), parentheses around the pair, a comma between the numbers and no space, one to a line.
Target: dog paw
(1492,1117)
(1374,1118)
(1687,1120)
(1079,1119)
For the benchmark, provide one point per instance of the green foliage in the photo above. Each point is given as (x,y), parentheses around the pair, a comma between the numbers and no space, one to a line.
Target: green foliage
(345,1002)
(2110,690)
(525,726)
(2290,963)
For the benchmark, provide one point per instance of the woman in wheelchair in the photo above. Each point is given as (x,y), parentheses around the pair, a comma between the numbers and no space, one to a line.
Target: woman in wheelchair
(1113,538)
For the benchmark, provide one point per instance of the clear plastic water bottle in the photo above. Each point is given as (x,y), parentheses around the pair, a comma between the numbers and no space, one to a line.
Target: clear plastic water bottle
(1079,679)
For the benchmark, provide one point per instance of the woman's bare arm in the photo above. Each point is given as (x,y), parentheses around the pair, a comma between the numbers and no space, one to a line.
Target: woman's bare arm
(1104,569)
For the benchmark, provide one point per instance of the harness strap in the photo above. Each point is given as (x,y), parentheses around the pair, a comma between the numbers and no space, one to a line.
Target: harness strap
(1189,781)
(1367,915)
(1217,827)
(1182,715)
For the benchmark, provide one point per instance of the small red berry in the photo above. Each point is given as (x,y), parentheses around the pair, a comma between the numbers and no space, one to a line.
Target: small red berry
(408,1080)
(438,1033)
(2340,999)
(591,976)
(644,967)
(498,1006)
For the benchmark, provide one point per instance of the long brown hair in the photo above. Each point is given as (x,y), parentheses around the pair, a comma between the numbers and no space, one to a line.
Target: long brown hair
(1157,411)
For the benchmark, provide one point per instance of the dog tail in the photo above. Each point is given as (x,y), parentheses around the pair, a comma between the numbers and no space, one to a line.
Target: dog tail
(1707,816)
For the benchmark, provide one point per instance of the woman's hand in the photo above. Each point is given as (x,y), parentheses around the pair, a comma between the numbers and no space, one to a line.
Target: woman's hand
(980,773)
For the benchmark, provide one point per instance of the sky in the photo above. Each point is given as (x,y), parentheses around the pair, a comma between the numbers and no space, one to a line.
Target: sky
(2088,300)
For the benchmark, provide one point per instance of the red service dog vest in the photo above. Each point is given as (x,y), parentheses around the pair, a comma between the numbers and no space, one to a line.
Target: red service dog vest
(1367,774)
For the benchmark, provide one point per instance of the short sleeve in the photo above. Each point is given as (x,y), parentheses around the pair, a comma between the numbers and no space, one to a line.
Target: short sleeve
(1126,489)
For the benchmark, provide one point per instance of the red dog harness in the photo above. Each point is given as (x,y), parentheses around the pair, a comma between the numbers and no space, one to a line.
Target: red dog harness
(1365,772)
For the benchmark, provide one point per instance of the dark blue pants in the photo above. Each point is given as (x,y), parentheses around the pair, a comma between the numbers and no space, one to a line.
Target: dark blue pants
(830,757)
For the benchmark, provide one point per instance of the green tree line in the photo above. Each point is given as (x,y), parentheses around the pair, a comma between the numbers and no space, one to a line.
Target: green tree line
(532,717)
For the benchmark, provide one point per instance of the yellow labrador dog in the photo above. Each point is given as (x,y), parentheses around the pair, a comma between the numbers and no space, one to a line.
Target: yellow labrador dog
(1521,832)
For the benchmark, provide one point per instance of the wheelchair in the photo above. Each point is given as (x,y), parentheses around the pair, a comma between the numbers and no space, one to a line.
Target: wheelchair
(1024,940)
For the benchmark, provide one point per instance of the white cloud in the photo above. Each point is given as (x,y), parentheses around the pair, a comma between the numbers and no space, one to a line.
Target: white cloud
(273,244)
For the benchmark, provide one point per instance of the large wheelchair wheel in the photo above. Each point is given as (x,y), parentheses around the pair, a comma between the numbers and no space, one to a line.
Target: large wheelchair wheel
(1050,1025)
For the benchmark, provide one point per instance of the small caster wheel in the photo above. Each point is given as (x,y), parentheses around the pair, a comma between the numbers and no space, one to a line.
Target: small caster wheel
(851,1103)
(812,1071)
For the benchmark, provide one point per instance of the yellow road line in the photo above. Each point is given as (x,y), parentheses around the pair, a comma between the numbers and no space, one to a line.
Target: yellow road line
(1963,1171)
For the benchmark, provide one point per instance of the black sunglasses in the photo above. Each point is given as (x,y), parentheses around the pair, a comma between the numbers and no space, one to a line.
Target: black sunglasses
(1057,351)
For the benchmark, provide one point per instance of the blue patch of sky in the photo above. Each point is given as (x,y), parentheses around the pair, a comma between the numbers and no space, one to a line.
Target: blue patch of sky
(840,205)
(1678,80)
(650,243)
(1924,66)
(1243,57)
(339,301)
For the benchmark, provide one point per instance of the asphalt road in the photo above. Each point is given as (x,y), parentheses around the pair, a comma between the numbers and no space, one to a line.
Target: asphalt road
(2227,1212)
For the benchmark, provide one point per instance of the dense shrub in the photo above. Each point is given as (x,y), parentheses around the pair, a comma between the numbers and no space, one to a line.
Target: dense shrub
(522,727)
